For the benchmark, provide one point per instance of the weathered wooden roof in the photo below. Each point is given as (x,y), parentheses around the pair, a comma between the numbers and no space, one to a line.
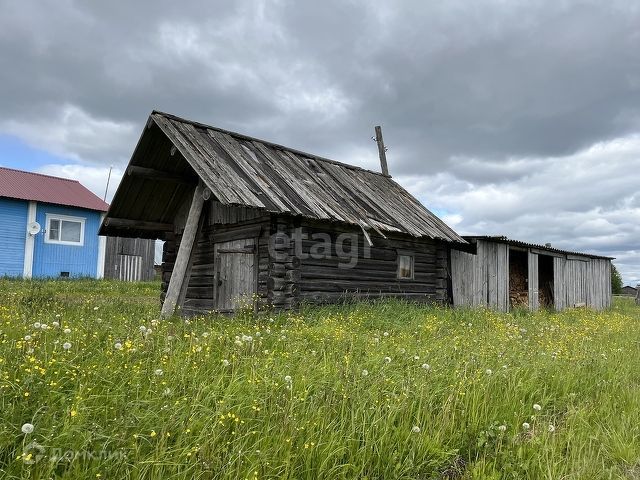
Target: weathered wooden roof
(241,170)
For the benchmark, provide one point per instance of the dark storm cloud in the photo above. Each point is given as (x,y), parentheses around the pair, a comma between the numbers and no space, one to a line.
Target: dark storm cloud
(485,105)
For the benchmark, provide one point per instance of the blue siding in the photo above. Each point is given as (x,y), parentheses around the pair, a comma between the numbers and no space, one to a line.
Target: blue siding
(51,259)
(13,232)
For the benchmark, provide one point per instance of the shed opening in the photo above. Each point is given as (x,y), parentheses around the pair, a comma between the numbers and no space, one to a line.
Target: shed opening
(545,281)
(518,279)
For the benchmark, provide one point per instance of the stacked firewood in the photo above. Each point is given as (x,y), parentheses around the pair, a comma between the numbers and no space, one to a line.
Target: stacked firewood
(518,289)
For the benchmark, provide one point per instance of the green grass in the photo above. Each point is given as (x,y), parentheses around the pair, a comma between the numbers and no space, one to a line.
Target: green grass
(167,406)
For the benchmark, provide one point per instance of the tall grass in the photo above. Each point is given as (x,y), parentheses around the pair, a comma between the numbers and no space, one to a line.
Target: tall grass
(378,391)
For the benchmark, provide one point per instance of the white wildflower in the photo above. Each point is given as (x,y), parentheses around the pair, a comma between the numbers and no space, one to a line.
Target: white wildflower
(67,330)
(158,372)
(488,371)
(552,428)
(287,378)
(365,372)
(226,363)
(66,345)
(426,366)
(27,428)
(55,324)
(526,426)
(537,407)
(386,334)
(415,429)
(387,359)
(502,428)
(117,346)
(27,338)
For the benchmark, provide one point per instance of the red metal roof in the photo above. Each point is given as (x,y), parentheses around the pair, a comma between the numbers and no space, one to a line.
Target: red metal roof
(48,189)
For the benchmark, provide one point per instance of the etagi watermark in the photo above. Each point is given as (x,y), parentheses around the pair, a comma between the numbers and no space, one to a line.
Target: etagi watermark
(36,453)
(346,247)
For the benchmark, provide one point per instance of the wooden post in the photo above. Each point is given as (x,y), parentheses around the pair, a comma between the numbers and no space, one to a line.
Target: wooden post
(638,294)
(184,253)
(382,151)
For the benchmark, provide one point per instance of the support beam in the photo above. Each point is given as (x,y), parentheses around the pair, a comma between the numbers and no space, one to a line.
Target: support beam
(137,224)
(153,174)
(184,253)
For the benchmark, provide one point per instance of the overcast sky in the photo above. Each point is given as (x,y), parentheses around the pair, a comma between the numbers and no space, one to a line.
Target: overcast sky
(519,118)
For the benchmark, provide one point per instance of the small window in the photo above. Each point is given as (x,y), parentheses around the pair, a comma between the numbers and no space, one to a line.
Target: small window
(405,266)
(65,230)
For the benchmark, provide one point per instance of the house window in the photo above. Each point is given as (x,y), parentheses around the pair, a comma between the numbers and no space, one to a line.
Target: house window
(405,265)
(65,230)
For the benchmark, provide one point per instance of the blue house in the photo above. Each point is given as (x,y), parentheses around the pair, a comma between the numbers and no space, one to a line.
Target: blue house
(49,227)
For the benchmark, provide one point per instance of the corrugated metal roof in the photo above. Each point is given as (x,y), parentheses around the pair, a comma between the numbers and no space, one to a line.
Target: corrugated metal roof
(519,243)
(242,170)
(45,188)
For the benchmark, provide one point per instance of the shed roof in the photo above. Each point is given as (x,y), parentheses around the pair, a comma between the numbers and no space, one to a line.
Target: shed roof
(48,189)
(246,171)
(519,243)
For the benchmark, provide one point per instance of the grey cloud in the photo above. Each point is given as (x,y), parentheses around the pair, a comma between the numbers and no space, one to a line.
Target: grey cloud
(487,107)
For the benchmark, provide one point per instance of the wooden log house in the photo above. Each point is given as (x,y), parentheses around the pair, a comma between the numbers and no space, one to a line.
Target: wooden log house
(249,223)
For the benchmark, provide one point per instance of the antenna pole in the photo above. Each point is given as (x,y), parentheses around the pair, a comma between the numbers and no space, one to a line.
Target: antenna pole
(104,199)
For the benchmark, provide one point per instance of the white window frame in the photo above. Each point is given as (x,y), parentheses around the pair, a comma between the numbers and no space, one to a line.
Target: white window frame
(66,218)
(411,255)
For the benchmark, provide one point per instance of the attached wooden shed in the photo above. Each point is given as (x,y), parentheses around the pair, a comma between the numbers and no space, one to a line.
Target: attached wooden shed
(500,273)
(129,259)
(251,223)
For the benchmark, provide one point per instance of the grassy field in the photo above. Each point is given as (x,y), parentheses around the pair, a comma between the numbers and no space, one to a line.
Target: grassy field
(381,391)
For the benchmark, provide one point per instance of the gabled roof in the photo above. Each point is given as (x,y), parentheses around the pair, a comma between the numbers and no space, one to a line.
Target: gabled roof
(246,171)
(47,189)
(519,243)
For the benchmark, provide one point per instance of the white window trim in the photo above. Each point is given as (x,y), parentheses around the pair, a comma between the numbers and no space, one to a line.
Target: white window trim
(55,216)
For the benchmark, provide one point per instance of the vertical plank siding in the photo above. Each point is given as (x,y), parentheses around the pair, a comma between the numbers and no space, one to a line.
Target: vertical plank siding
(129,259)
(482,279)
(533,281)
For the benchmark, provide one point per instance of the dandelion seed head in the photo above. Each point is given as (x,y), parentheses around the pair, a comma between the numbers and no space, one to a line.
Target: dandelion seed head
(158,372)
(66,345)
(365,372)
(37,325)
(226,363)
(526,426)
(117,346)
(287,378)
(502,428)
(27,338)
(415,429)
(55,323)
(426,366)
(27,428)
(387,359)
(537,407)
(67,330)
(488,371)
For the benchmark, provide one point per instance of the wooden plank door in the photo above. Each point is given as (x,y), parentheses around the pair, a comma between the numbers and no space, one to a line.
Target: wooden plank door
(235,275)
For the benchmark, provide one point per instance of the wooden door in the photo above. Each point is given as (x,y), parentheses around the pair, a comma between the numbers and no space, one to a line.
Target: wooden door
(235,276)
